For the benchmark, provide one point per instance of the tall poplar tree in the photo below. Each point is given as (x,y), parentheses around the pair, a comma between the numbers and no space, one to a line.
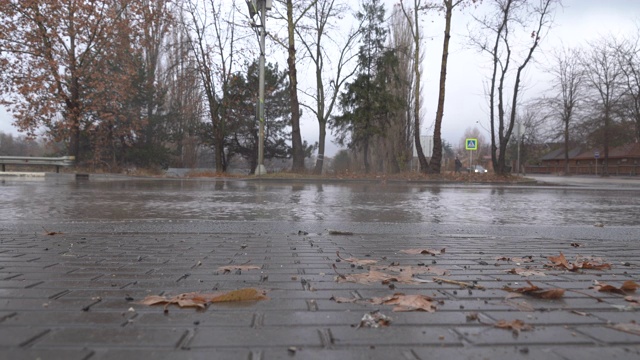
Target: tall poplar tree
(367,101)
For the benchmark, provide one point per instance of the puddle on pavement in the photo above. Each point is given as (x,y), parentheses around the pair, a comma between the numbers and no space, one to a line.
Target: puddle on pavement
(54,200)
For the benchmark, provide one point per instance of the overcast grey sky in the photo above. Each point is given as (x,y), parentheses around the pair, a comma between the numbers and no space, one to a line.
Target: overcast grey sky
(578,22)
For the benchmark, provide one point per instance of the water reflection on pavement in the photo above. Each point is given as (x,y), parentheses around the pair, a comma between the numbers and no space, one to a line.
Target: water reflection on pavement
(65,200)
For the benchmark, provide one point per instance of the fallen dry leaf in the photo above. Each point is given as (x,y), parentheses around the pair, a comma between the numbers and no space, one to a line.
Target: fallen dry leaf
(459,283)
(431,252)
(403,302)
(525,272)
(580,263)
(593,263)
(229,268)
(537,292)
(634,300)
(407,302)
(200,300)
(247,294)
(183,300)
(631,328)
(560,261)
(51,233)
(374,319)
(374,276)
(355,261)
(515,325)
(627,287)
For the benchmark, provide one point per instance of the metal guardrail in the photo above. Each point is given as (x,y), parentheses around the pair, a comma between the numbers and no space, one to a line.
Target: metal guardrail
(28,160)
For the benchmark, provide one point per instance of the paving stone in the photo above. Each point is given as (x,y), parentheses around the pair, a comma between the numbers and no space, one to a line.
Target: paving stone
(167,354)
(249,337)
(489,336)
(124,336)
(516,352)
(12,336)
(608,335)
(48,354)
(555,317)
(590,352)
(298,314)
(396,336)
(352,353)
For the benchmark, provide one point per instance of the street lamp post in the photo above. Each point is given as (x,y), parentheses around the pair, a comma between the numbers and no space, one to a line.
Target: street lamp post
(261,7)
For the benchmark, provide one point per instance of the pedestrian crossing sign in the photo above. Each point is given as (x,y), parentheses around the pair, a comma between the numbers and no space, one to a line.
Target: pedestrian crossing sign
(471,144)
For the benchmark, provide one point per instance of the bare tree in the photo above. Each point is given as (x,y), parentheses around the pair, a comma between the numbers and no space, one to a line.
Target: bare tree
(323,17)
(57,58)
(157,22)
(184,95)
(397,145)
(629,57)
(604,78)
(510,18)
(567,94)
(412,14)
(294,14)
(447,6)
(214,52)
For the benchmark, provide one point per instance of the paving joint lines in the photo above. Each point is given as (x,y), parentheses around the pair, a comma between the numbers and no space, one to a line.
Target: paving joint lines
(76,294)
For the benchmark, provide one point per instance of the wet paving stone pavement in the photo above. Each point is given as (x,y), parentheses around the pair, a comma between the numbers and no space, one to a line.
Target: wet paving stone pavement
(72,289)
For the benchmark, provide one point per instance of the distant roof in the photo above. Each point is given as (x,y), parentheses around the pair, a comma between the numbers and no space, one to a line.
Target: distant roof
(631,150)
(558,154)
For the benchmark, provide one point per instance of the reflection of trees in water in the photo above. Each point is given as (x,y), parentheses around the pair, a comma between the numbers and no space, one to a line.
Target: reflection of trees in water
(364,203)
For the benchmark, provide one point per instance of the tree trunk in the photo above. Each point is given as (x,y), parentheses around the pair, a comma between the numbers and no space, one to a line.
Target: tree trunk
(321,147)
(74,142)
(422,159)
(365,156)
(220,163)
(436,157)
(296,138)
(566,147)
(607,121)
